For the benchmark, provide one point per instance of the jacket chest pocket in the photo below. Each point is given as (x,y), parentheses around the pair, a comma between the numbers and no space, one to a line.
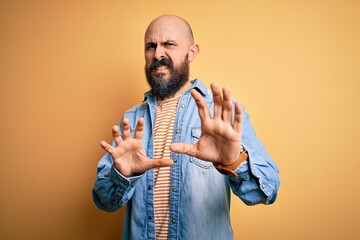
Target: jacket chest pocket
(195,135)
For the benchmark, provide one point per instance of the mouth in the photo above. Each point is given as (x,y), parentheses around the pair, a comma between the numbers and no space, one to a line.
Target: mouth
(161,72)
(160,69)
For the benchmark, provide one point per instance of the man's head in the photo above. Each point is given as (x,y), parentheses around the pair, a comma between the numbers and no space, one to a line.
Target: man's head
(169,48)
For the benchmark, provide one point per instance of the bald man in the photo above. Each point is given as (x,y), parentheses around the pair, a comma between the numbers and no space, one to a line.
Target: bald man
(176,155)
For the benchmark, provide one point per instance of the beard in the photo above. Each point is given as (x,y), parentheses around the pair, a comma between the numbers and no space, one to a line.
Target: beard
(162,88)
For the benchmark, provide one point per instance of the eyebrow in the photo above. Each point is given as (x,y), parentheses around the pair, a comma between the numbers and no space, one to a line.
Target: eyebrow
(163,42)
(169,41)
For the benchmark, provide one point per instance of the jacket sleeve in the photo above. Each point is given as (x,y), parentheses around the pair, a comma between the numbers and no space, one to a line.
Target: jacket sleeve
(258,178)
(112,190)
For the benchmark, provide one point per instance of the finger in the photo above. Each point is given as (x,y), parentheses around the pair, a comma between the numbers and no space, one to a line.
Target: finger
(126,128)
(139,129)
(203,108)
(107,147)
(160,163)
(218,99)
(227,105)
(238,117)
(185,148)
(116,135)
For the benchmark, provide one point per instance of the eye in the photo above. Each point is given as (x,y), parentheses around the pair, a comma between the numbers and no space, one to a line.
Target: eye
(169,44)
(151,46)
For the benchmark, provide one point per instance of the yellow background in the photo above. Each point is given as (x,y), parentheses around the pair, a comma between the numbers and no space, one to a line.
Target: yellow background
(69,70)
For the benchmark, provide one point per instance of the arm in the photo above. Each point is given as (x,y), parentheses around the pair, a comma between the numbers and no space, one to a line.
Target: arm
(258,179)
(122,166)
(112,190)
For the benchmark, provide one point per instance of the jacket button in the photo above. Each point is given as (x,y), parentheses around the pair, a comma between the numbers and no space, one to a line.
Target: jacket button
(174,190)
(182,106)
(177,131)
(173,220)
(150,218)
(175,160)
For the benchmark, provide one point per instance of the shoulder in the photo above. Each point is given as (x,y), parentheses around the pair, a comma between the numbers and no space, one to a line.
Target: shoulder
(135,110)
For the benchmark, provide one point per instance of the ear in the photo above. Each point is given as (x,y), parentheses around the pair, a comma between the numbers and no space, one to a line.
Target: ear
(193,52)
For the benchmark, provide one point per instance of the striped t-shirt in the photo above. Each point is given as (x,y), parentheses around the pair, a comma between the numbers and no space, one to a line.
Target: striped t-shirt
(163,133)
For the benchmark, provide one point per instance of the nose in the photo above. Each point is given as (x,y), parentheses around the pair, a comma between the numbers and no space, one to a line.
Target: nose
(159,53)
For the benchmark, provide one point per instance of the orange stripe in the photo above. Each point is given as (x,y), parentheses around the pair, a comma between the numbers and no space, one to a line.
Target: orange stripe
(163,133)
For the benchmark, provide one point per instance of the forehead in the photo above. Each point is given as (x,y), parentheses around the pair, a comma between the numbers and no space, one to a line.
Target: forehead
(165,30)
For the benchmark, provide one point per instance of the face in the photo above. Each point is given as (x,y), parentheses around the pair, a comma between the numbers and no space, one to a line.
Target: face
(169,49)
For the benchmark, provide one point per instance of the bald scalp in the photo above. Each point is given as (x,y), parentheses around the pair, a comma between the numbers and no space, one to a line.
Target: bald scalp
(175,20)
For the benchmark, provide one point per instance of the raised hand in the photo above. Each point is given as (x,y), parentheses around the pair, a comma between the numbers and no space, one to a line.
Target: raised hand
(220,140)
(129,155)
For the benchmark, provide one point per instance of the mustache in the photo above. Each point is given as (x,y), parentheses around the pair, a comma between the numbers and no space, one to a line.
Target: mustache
(162,62)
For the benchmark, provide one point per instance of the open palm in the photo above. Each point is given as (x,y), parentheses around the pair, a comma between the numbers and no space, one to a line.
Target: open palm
(220,140)
(128,155)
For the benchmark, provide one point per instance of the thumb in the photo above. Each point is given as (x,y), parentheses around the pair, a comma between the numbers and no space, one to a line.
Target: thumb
(159,163)
(185,148)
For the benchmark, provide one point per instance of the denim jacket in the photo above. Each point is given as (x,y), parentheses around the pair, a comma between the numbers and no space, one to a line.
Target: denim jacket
(199,194)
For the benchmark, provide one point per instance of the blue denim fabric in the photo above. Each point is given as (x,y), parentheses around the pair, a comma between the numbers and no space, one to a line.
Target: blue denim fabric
(200,195)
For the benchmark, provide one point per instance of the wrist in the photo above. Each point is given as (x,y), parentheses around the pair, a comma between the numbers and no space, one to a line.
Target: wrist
(229,169)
